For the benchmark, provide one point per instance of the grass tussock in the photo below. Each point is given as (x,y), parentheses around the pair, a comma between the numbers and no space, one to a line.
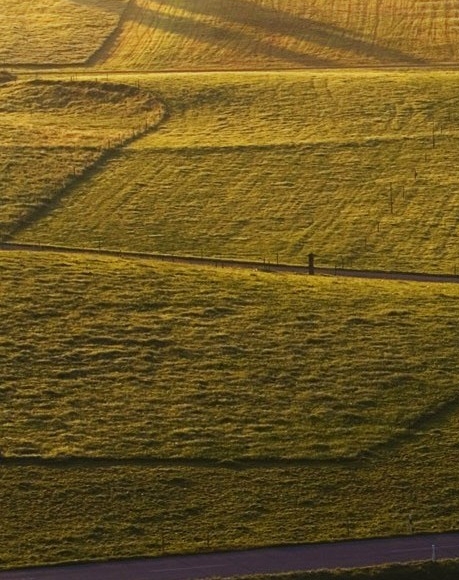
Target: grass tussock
(6,77)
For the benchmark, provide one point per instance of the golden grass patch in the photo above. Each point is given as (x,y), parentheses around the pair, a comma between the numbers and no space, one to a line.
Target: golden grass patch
(358,168)
(213,364)
(52,32)
(153,382)
(52,132)
(216,34)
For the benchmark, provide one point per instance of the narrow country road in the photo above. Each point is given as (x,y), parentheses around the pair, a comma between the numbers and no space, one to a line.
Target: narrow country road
(236,263)
(349,554)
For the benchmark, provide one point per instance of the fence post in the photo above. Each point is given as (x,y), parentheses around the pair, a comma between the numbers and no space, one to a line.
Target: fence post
(311,264)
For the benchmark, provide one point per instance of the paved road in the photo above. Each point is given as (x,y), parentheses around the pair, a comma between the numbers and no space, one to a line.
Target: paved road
(350,554)
(243,264)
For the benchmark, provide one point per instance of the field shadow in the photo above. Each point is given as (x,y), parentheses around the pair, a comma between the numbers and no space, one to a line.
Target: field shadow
(217,35)
(271,23)
(188,27)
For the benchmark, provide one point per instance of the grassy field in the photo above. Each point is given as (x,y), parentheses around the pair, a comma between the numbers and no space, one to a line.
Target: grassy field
(363,173)
(168,355)
(55,32)
(215,34)
(419,571)
(53,132)
(150,407)
(328,389)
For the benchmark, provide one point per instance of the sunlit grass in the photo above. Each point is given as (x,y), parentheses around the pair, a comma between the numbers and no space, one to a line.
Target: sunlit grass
(216,34)
(191,363)
(55,31)
(176,374)
(358,168)
(53,131)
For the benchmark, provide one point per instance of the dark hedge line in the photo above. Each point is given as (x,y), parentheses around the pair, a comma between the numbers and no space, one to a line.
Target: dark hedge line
(448,570)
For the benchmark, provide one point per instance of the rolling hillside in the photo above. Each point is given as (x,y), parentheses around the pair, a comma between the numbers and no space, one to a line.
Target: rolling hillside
(169,354)
(229,34)
(274,166)
(235,34)
(55,32)
(54,132)
(148,407)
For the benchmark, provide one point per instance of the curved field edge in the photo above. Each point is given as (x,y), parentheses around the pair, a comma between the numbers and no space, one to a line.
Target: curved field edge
(363,173)
(199,363)
(145,510)
(55,133)
(75,320)
(51,33)
(217,35)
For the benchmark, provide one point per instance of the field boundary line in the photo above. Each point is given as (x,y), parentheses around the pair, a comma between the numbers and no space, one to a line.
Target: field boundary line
(237,263)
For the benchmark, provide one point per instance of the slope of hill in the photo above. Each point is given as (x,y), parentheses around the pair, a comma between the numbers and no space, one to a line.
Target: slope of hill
(149,407)
(222,34)
(160,342)
(52,132)
(356,167)
(55,32)
(131,391)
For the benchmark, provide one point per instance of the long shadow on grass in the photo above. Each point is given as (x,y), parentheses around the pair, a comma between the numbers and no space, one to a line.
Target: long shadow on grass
(277,22)
(271,23)
(189,27)
(428,420)
(111,40)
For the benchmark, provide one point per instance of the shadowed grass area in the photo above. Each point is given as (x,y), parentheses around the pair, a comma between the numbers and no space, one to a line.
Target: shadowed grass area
(417,571)
(215,34)
(357,167)
(219,35)
(132,361)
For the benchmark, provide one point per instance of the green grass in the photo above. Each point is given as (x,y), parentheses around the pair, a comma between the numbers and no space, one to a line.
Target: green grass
(147,406)
(52,132)
(155,381)
(55,32)
(363,173)
(307,369)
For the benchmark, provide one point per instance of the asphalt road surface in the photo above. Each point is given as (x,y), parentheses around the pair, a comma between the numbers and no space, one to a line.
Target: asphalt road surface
(350,554)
